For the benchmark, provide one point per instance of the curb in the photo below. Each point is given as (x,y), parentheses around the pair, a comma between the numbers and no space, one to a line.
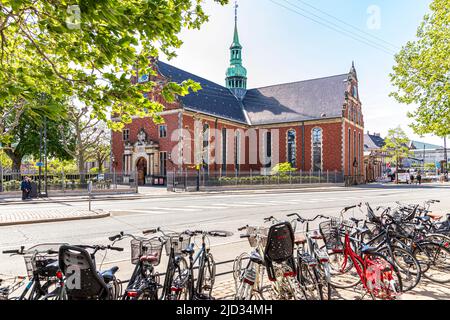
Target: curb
(96,216)
(71,200)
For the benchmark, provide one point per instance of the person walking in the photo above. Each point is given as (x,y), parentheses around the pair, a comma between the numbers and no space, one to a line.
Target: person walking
(419,178)
(25,186)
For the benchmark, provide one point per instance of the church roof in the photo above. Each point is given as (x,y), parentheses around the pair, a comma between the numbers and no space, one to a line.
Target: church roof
(373,141)
(297,101)
(212,99)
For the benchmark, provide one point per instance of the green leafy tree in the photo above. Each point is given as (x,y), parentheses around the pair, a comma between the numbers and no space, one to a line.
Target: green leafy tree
(422,73)
(92,49)
(396,147)
(24,138)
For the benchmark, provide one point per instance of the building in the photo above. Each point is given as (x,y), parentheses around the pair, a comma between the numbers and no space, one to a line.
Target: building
(425,154)
(375,163)
(316,125)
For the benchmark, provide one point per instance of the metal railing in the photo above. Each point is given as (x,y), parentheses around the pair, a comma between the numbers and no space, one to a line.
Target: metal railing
(194,180)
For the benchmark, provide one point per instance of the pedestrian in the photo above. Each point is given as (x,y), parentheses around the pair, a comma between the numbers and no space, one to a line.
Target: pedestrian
(25,186)
(419,178)
(412,178)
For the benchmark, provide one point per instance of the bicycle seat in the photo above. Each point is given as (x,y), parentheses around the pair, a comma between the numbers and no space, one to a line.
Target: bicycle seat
(368,249)
(189,249)
(435,216)
(151,258)
(299,239)
(50,269)
(256,257)
(315,235)
(108,275)
(424,218)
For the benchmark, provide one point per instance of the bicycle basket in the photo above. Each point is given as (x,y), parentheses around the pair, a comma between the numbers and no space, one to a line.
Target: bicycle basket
(331,232)
(147,247)
(254,232)
(39,260)
(4,293)
(179,242)
(280,242)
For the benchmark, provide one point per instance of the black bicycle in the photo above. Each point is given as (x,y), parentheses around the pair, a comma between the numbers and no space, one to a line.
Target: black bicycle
(145,255)
(45,278)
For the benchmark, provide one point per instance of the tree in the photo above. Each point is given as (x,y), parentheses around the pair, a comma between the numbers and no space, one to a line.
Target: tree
(422,73)
(86,134)
(101,151)
(92,49)
(396,147)
(26,139)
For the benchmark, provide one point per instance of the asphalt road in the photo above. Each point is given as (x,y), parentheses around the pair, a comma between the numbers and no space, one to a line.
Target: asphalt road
(194,211)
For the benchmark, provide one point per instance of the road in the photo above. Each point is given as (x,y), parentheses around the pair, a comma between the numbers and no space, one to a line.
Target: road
(194,211)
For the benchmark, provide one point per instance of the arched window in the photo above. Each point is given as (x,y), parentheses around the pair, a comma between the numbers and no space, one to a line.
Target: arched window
(237,150)
(317,140)
(291,148)
(205,147)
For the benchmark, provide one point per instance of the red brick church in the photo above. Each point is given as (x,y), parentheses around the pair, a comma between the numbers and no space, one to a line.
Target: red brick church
(316,125)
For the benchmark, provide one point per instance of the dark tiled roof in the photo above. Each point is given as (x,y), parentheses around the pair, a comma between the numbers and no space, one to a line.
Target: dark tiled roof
(373,142)
(298,101)
(213,99)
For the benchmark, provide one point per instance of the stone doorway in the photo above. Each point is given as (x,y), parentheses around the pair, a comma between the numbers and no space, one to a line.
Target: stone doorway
(141,167)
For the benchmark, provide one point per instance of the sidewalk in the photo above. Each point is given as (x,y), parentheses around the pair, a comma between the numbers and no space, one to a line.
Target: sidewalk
(44,215)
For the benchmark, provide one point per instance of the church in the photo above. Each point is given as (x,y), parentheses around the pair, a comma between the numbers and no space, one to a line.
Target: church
(315,125)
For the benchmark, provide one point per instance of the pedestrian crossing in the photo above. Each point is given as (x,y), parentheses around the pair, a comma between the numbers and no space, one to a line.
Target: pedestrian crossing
(246,204)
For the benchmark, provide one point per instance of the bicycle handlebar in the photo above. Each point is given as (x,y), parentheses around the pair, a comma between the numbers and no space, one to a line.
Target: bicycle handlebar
(151,231)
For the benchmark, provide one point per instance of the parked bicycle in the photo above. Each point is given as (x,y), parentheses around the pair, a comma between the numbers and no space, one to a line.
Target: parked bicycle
(145,255)
(45,278)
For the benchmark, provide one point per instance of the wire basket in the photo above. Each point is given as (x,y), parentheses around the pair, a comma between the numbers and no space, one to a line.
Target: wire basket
(179,242)
(332,232)
(38,257)
(147,247)
(4,293)
(254,232)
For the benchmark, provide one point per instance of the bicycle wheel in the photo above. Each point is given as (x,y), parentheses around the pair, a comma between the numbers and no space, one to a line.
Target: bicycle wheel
(434,261)
(407,265)
(343,277)
(309,282)
(324,277)
(439,238)
(382,278)
(179,289)
(208,276)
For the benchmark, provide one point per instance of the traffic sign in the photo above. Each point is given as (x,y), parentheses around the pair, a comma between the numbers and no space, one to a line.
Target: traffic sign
(39,164)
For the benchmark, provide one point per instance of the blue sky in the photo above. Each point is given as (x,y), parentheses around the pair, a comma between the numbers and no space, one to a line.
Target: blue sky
(282,46)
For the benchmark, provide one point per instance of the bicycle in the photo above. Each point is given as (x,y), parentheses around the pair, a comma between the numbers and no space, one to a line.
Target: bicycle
(15,282)
(145,255)
(379,277)
(273,253)
(43,272)
(200,289)
(82,279)
(313,269)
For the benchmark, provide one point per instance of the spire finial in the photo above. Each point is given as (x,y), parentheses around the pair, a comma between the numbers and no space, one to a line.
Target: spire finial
(236,6)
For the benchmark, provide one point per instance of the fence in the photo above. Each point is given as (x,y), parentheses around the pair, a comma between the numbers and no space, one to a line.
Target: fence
(191,180)
(54,183)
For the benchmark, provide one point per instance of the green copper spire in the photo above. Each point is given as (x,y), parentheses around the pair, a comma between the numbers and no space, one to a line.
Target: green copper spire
(236,79)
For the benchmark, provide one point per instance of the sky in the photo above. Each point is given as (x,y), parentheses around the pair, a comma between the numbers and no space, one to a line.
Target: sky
(281,45)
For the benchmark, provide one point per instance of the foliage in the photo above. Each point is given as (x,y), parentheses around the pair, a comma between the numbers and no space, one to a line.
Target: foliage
(396,145)
(67,166)
(422,72)
(93,50)
(430,166)
(282,168)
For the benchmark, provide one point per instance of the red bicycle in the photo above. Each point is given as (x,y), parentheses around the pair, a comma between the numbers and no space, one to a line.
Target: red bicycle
(379,277)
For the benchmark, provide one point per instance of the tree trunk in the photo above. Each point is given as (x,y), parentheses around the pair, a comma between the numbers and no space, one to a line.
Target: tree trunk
(81,170)
(15,158)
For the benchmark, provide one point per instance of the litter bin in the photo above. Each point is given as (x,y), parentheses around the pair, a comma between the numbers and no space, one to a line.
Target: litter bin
(34,190)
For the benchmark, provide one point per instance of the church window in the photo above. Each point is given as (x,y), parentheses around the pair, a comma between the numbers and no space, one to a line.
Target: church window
(317,149)
(126,135)
(206,146)
(291,148)
(224,151)
(163,131)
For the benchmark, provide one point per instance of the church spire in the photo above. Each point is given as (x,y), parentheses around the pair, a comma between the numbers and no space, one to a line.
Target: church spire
(236,79)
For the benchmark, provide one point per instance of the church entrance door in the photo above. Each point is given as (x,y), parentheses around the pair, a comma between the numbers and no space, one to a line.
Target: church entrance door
(141,167)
